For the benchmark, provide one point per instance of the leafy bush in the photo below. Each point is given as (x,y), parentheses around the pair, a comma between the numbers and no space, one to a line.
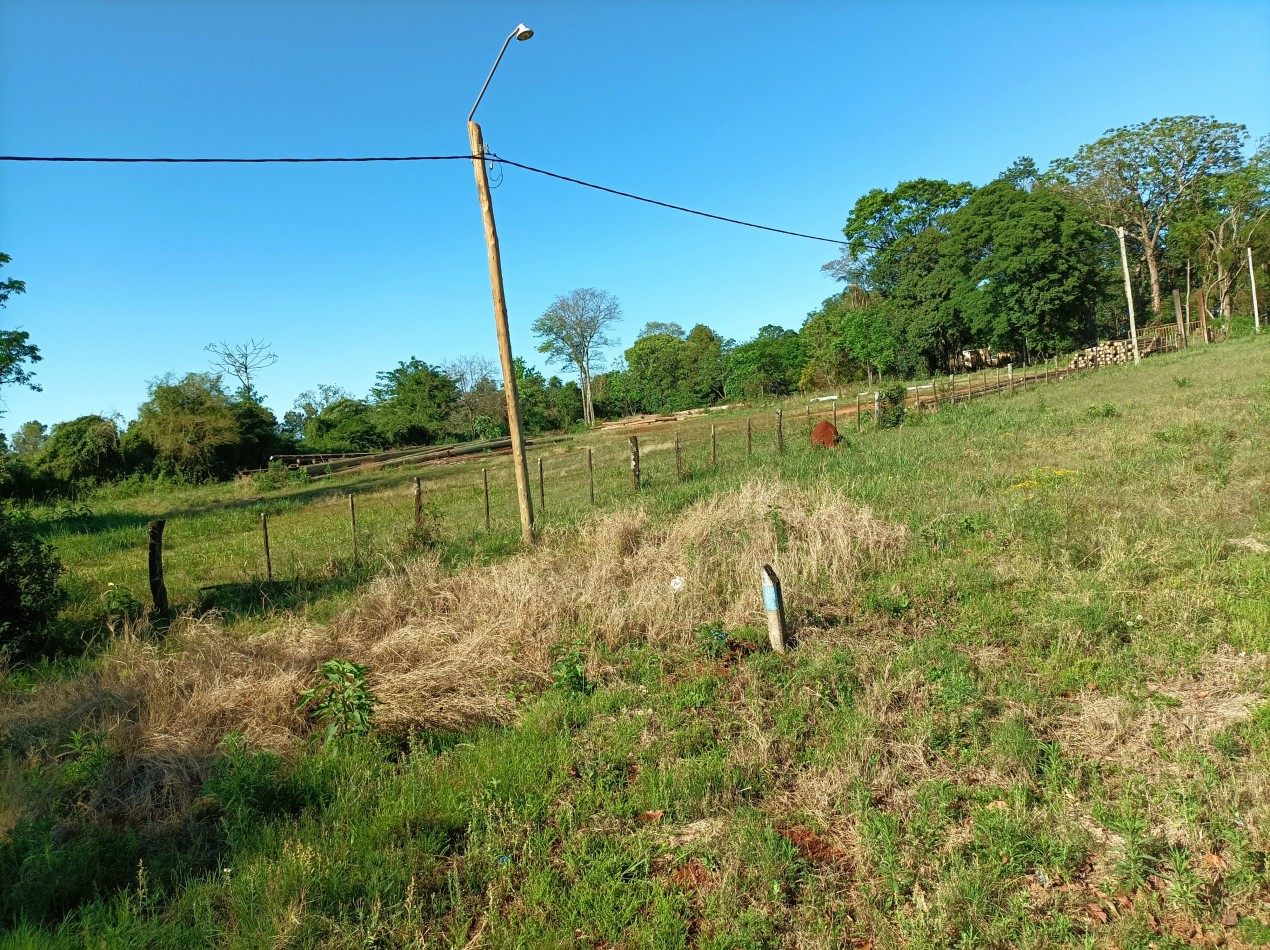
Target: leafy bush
(342,700)
(568,671)
(29,594)
(892,408)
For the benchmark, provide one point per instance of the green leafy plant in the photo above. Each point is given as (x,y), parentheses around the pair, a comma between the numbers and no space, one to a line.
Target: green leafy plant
(712,640)
(120,604)
(892,409)
(568,670)
(29,593)
(342,700)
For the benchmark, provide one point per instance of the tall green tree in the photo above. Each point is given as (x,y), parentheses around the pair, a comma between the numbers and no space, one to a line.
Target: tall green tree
(574,329)
(1029,268)
(1141,177)
(882,225)
(769,365)
(17,353)
(413,403)
(81,453)
(189,421)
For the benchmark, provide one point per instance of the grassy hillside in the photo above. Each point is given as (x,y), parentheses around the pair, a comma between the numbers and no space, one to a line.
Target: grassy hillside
(1028,704)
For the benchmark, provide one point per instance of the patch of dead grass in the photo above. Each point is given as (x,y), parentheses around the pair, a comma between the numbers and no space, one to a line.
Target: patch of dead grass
(443,648)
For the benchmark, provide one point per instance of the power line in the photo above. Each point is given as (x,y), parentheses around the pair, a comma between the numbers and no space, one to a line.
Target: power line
(663,204)
(416,158)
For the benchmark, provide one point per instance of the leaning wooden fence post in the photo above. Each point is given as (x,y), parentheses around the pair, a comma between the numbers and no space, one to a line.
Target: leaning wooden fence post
(418,503)
(485,482)
(714,448)
(542,496)
(158,590)
(590,471)
(635,461)
(679,465)
(774,605)
(352,520)
(264,529)
(780,433)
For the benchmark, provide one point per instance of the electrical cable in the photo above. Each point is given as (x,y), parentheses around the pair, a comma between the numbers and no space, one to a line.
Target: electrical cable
(490,156)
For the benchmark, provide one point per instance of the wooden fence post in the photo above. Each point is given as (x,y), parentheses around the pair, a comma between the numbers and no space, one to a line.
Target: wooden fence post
(1181,323)
(679,467)
(418,503)
(780,433)
(877,407)
(835,412)
(1202,306)
(158,590)
(352,520)
(485,482)
(774,605)
(590,471)
(542,491)
(714,448)
(264,528)
(635,461)
(857,413)
(749,436)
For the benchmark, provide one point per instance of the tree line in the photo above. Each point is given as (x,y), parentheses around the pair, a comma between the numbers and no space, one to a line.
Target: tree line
(1027,264)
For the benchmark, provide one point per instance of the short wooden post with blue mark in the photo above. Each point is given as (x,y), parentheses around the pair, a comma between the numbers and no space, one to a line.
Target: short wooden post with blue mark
(774,604)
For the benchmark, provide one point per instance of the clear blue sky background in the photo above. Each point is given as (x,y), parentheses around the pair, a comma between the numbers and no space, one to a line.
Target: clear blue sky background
(780,113)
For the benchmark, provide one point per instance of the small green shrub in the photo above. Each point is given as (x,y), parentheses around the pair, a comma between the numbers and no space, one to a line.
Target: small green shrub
(892,410)
(29,593)
(712,640)
(277,475)
(342,700)
(1103,411)
(568,670)
(119,604)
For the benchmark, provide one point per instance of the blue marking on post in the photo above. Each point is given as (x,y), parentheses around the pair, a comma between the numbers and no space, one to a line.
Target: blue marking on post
(769,598)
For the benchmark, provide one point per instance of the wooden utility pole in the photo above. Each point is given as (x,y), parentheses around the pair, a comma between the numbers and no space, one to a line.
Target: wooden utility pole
(1256,310)
(1128,294)
(635,461)
(590,471)
(1181,325)
(514,424)
(264,529)
(158,590)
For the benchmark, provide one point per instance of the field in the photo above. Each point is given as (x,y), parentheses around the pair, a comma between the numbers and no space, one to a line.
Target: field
(1027,706)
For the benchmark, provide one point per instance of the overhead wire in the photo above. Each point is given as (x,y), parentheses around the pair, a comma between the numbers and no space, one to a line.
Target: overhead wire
(490,157)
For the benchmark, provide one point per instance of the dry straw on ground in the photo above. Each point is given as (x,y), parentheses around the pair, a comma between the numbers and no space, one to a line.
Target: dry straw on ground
(443,647)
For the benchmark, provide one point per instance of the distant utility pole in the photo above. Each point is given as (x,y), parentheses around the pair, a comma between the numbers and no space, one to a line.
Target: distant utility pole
(1256,311)
(1128,294)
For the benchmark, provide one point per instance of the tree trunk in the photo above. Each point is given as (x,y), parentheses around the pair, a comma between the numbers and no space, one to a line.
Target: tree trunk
(1153,270)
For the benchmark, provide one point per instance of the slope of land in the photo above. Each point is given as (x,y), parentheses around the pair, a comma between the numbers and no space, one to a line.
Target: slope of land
(1028,705)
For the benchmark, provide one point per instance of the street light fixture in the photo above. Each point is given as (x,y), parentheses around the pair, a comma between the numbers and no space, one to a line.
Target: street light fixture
(514,425)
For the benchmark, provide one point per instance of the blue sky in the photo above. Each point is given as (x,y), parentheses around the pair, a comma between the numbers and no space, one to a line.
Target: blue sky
(780,113)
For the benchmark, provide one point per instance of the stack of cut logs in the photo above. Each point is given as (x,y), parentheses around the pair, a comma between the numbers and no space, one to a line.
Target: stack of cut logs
(1112,352)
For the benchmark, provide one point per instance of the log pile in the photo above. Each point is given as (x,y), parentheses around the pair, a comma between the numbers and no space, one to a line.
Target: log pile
(1113,352)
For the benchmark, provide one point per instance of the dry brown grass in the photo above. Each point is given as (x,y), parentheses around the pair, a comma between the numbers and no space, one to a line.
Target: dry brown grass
(444,647)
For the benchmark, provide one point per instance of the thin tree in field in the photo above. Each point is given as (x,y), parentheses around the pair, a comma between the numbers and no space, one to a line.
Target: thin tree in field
(242,361)
(573,330)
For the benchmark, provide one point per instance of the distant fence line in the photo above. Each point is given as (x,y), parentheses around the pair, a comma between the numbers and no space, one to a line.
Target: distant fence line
(929,397)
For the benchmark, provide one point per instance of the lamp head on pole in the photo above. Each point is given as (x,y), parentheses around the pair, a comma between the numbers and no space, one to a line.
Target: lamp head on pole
(521,33)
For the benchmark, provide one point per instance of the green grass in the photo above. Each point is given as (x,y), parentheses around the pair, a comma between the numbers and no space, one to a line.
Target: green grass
(1048,726)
